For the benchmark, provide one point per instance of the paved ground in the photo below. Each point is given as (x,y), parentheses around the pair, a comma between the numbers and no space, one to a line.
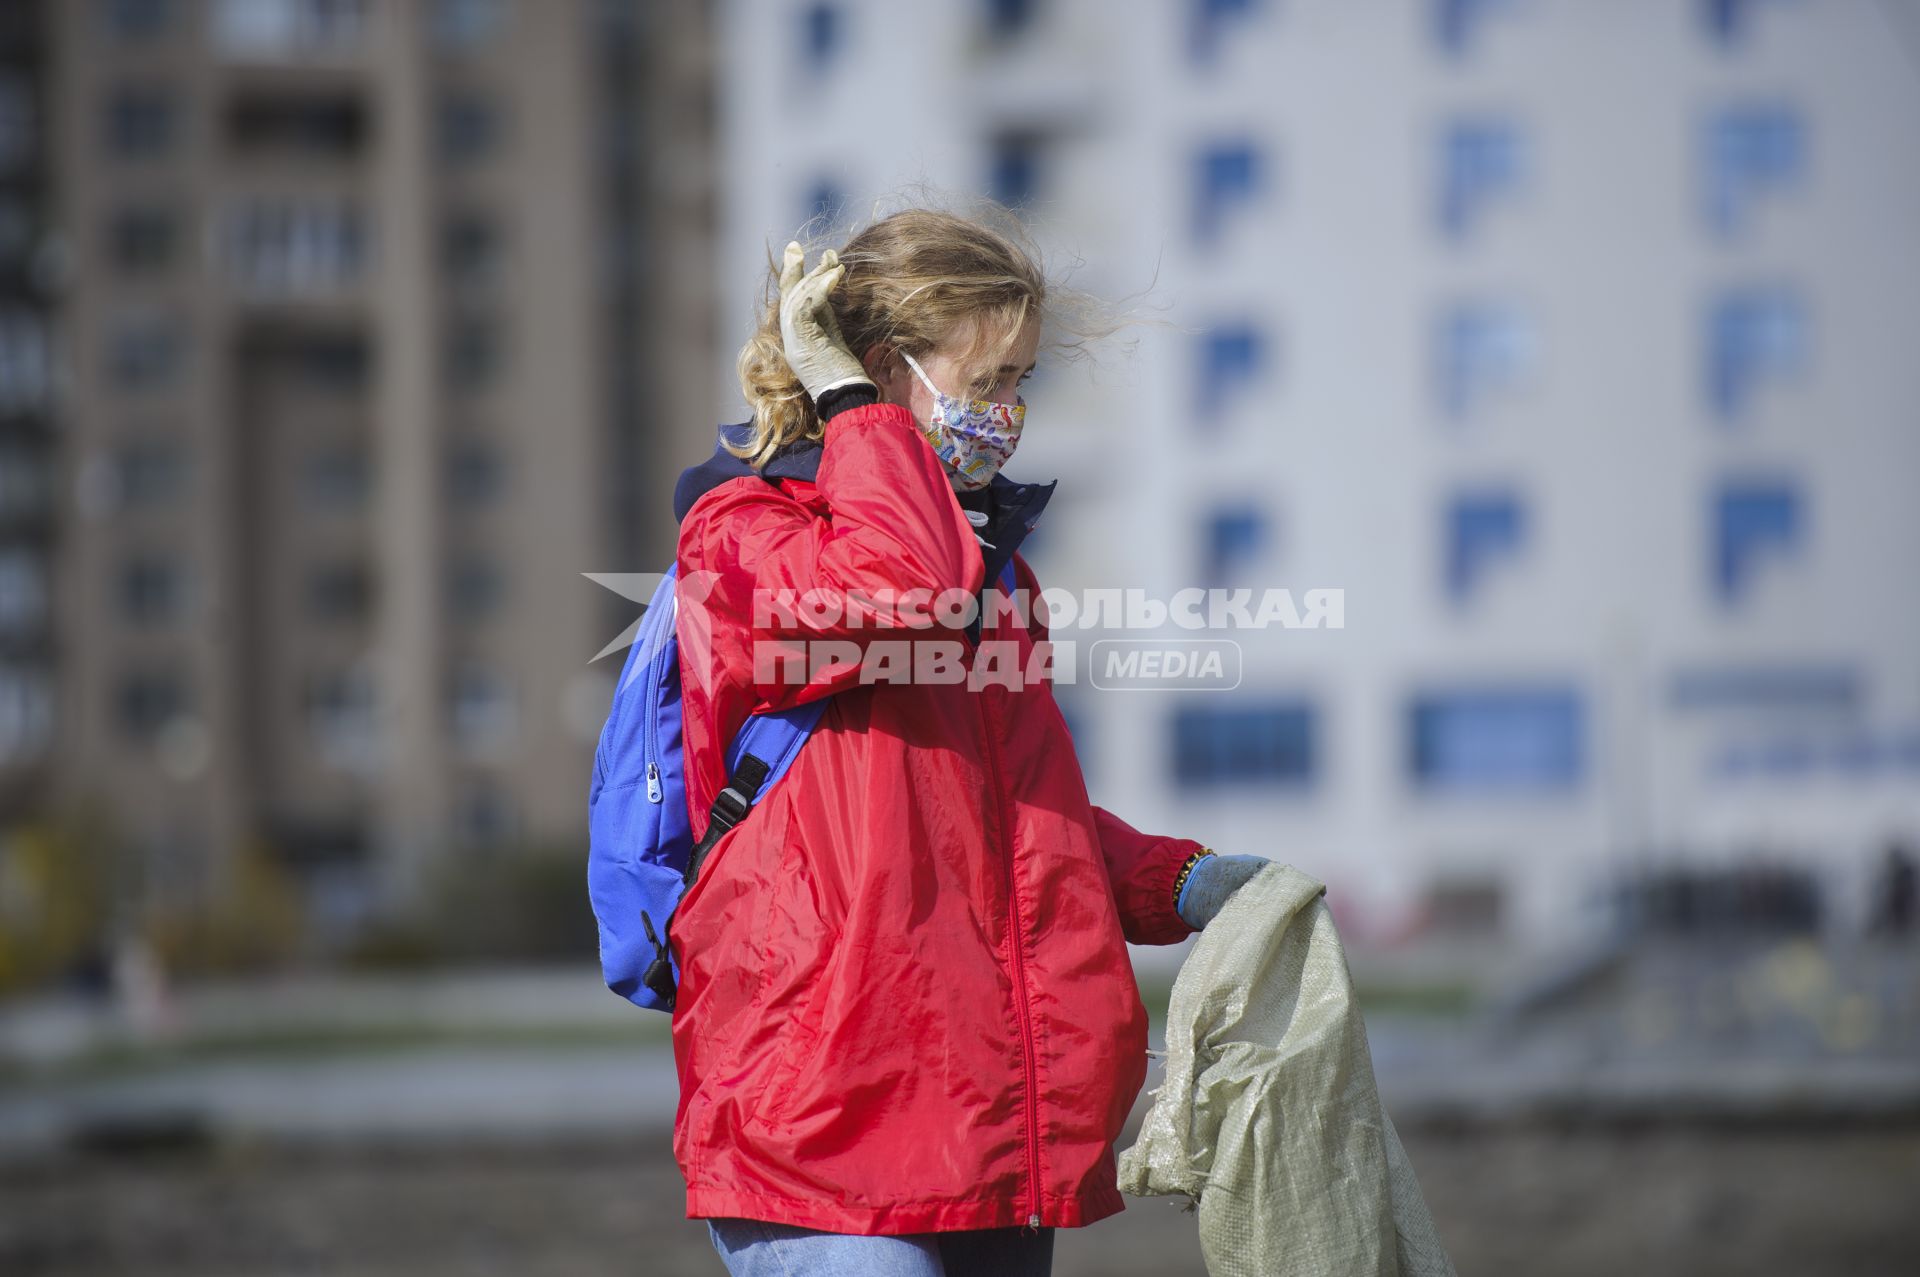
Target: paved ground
(1699,1110)
(1597,1202)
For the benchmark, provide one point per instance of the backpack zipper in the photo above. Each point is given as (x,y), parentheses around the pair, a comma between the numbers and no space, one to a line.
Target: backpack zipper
(1016,947)
(656,669)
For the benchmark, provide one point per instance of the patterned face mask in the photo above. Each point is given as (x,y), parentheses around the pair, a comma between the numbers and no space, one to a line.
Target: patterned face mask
(973,436)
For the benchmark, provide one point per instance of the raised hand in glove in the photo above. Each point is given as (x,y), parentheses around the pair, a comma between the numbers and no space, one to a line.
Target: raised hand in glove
(809,332)
(1211,880)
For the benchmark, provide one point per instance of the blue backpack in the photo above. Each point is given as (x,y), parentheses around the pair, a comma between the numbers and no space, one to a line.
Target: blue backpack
(641,854)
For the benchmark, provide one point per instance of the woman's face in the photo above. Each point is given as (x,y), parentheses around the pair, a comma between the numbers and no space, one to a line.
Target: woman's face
(947,367)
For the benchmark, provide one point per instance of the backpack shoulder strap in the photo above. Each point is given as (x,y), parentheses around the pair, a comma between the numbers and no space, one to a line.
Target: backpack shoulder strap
(760,755)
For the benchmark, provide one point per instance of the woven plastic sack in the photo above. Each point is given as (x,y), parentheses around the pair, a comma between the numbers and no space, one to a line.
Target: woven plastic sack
(1268,1115)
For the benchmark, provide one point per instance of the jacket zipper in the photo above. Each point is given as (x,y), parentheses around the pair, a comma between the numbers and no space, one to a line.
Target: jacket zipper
(1016,946)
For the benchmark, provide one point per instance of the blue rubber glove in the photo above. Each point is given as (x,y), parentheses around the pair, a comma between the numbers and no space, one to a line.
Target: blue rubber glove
(1210,882)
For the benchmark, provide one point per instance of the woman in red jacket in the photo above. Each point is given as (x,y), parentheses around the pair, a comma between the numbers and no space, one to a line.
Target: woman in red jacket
(907,1030)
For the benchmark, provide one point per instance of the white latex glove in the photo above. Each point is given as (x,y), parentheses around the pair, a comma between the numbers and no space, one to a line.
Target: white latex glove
(809,332)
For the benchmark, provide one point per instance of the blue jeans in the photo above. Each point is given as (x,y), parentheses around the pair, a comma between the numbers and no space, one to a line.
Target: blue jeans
(754,1248)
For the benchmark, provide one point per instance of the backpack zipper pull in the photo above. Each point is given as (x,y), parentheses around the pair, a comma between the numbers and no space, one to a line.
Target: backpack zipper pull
(653,782)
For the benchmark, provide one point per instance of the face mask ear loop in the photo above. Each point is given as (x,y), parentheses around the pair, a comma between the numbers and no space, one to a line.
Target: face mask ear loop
(921,374)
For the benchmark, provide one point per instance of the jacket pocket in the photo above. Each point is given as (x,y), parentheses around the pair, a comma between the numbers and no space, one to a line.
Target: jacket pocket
(800,1047)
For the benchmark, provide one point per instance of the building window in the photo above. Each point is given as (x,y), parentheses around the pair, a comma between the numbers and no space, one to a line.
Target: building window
(1226,175)
(1485,349)
(1830,691)
(141,122)
(1753,521)
(290,28)
(1209,22)
(1459,24)
(1259,744)
(1231,359)
(19,123)
(1236,538)
(1008,19)
(26,483)
(485,815)
(823,204)
(146,701)
(1754,335)
(475,474)
(144,351)
(1014,167)
(469,127)
(463,26)
(340,591)
(470,250)
(1727,22)
(337,480)
(153,474)
(322,363)
(1483,529)
(19,231)
(1751,152)
(23,593)
(1496,740)
(152,590)
(303,126)
(136,21)
(473,354)
(484,715)
(23,361)
(475,587)
(1482,161)
(279,247)
(821,33)
(143,239)
(342,715)
(26,713)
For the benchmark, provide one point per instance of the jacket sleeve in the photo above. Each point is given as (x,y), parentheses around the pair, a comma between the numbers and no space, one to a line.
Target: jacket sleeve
(893,526)
(1140,867)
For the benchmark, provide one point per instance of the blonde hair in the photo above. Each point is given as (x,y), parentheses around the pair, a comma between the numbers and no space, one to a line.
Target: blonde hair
(914,278)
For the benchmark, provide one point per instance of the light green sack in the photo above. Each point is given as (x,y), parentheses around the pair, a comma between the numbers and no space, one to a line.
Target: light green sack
(1268,1114)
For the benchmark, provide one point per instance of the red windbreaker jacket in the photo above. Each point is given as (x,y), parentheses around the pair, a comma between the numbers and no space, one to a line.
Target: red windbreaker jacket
(905,999)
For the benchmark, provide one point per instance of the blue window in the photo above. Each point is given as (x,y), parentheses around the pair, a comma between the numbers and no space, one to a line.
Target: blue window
(1752,521)
(1008,18)
(1013,175)
(1231,358)
(821,31)
(1219,744)
(824,202)
(1208,22)
(1512,740)
(1727,21)
(1796,689)
(1482,530)
(135,20)
(1754,335)
(1483,348)
(141,122)
(1481,161)
(1235,536)
(1750,152)
(1226,174)
(1457,23)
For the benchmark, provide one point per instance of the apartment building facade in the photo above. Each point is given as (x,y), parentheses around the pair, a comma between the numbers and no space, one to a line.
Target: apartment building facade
(366,326)
(1564,339)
